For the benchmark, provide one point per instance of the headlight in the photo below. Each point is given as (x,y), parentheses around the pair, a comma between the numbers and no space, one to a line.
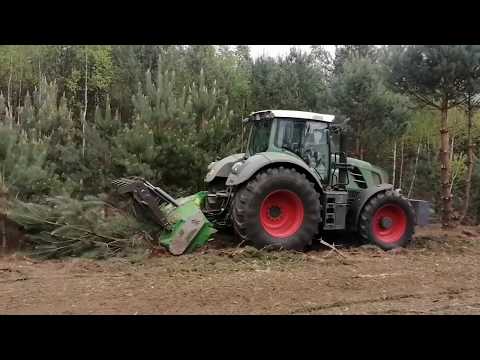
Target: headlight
(236,167)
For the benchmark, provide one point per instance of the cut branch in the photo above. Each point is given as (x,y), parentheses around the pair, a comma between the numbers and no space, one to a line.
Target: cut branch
(333,248)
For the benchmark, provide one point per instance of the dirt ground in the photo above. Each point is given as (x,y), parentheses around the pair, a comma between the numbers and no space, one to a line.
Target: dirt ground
(439,273)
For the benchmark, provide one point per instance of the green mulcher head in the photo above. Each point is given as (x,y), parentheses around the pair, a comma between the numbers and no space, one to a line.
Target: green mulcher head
(184,227)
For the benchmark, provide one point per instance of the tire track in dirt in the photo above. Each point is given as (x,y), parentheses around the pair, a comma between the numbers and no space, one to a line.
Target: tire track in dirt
(314,308)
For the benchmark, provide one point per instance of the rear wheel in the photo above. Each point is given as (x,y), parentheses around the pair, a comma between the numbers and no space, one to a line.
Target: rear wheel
(279,208)
(387,220)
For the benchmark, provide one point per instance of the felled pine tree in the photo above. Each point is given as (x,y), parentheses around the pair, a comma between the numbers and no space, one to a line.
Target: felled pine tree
(64,226)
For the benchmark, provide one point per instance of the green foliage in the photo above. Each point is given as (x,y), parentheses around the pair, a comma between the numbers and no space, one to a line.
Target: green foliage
(71,227)
(24,169)
(191,128)
(434,74)
(66,64)
(165,111)
(19,69)
(134,151)
(348,53)
(294,82)
(373,111)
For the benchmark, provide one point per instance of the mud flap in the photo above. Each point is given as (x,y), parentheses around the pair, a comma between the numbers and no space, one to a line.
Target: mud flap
(187,233)
(423,211)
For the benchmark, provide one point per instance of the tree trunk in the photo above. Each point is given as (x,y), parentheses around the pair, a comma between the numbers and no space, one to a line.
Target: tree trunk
(394,162)
(414,171)
(84,117)
(9,95)
(401,165)
(470,165)
(446,195)
(19,101)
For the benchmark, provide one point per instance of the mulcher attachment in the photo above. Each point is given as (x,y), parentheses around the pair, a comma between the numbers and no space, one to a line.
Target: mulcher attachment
(184,226)
(146,196)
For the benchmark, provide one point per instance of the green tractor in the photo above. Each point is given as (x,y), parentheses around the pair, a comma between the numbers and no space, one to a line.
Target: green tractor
(295,183)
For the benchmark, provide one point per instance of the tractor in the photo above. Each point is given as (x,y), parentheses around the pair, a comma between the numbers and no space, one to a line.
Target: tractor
(295,182)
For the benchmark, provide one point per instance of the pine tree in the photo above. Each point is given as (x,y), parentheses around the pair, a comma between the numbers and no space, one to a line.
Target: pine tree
(359,93)
(437,76)
(191,126)
(24,169)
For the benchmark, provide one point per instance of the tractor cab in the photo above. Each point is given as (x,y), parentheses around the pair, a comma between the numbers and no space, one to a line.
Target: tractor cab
(314,140)
(305,135)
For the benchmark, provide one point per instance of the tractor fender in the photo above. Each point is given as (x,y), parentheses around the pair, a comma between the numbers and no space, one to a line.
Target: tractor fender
(221,168)
(361,200)
(250,166)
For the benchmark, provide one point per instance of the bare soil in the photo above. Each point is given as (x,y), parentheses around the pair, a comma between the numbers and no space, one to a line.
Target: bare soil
(439,273)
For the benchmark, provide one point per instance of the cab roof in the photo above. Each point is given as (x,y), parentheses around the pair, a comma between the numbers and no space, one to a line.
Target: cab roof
(290,114)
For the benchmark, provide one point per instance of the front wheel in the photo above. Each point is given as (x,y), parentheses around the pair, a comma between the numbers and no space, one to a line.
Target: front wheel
(387,220)
(278,209)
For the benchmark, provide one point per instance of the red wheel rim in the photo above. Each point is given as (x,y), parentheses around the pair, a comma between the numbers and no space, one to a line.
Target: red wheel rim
(389,223)
(281,213)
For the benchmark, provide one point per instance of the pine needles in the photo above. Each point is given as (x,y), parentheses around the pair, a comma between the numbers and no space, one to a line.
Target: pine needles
(69,227)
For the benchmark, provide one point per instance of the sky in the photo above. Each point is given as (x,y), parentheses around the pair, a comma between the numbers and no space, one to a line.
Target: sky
(276,50)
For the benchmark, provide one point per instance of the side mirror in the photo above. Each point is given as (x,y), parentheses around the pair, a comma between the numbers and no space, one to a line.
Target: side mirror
(335,129)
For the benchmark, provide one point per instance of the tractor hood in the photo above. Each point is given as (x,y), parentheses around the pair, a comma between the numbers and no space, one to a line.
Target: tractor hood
(369,167)
(221,168)
(243,170)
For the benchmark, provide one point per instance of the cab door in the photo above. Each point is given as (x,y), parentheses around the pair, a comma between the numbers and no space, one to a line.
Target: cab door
(316,148)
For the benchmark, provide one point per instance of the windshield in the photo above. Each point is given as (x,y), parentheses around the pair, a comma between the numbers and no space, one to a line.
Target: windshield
(259,136)
(306,139)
